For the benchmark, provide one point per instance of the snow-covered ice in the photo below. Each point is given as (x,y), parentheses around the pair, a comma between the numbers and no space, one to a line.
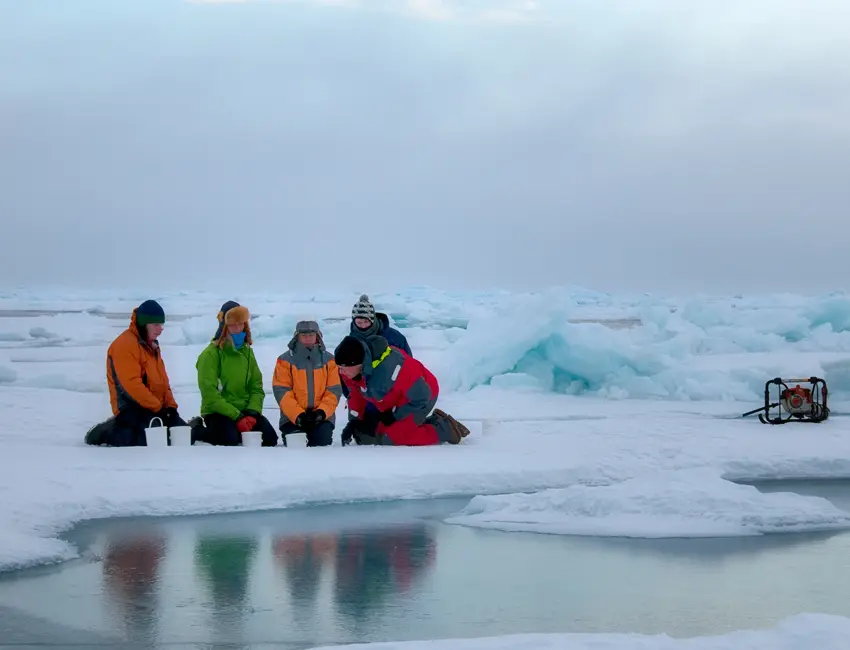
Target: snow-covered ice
(800,632)
(679,503)
(577,426)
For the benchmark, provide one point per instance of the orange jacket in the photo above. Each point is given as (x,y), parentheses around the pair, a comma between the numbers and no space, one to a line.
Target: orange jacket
(306,379)
(136,373)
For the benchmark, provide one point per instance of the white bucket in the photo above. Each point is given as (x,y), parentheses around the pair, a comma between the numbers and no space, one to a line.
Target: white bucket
(252,439)
(181,436)
(156,436)
(296,439)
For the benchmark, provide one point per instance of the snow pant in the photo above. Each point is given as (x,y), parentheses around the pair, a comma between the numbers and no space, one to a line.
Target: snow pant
(404,432)
(221,430)
(320,436)
(127,429)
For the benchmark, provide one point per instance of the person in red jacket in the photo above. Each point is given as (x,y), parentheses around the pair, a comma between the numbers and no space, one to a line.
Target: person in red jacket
(401,388)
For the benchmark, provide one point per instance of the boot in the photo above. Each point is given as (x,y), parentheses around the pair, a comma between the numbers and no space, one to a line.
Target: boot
(97,434)
(197,427)
(459,432)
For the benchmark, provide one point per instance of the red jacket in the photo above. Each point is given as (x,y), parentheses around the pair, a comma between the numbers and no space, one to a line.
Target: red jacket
(391,380)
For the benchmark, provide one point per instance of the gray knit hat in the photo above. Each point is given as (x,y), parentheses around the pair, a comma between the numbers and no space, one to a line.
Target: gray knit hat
(363,308)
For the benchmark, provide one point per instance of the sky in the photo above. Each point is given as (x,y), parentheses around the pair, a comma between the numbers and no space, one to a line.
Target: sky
(301,145)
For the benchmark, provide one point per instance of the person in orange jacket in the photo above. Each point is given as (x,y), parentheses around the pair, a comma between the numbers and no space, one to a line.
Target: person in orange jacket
(306,386)
(139,388)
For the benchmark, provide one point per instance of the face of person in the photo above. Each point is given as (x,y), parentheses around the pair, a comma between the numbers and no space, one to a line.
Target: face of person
(351,371)
(308,339)
(154,330)
(362,323)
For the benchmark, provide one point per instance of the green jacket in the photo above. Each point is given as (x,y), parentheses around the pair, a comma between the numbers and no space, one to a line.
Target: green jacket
(230,380)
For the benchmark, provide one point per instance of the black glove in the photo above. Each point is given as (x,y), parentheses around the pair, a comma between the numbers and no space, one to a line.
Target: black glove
(387,418)
(358,427)
(318,417)
(170,417)
(307,421)
(174,419)
(370,421)
(347,434)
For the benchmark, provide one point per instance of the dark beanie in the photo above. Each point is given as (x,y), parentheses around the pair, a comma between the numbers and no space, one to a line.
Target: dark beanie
(149,312)
(349,352)
(226,307)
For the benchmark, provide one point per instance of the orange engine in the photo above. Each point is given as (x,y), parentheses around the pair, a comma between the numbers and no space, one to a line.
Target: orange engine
(797,398)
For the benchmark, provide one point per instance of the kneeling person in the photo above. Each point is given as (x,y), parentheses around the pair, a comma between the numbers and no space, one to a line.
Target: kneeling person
(403,391)
(231,383)
(139,388)
(306,386)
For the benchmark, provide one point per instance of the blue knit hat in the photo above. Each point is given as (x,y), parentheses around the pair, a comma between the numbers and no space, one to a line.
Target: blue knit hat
(150,311)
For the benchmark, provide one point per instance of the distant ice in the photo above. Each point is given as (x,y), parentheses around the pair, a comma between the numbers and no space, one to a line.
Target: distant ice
(60,381)
(41,333)
(681,503)
(705,348)
(801,632)
(693,351)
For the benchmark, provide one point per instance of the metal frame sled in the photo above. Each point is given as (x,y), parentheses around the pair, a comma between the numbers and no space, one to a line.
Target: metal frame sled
(794,404)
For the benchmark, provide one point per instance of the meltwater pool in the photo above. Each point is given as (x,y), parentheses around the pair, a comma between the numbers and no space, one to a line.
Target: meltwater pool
(306,577)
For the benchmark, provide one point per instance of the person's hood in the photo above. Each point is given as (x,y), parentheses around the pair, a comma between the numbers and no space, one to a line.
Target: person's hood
(375,347)
(134,325)
(307,326)
(136,329)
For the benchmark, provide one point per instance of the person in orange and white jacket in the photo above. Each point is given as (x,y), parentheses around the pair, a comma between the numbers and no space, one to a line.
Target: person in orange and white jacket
(306,386)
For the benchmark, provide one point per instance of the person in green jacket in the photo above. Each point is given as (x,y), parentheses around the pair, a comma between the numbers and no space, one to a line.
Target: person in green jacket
(231,383)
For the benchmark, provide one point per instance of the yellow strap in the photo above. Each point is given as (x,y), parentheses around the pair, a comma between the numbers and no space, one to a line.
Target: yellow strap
(383,356)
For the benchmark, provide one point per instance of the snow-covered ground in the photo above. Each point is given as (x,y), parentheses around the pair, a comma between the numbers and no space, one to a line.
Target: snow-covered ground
(678,503)
(607,429)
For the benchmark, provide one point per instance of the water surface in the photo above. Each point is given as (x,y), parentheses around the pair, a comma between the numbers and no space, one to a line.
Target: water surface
(393,571)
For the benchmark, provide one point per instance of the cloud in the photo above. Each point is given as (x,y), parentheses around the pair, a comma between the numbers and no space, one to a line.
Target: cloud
(648,145)
(495,11)
(431,9)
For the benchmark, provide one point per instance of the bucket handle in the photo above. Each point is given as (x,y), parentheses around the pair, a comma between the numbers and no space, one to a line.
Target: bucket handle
(161,423)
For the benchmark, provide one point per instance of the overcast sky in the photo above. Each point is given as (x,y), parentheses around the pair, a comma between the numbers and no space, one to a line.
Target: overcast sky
(654,146)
